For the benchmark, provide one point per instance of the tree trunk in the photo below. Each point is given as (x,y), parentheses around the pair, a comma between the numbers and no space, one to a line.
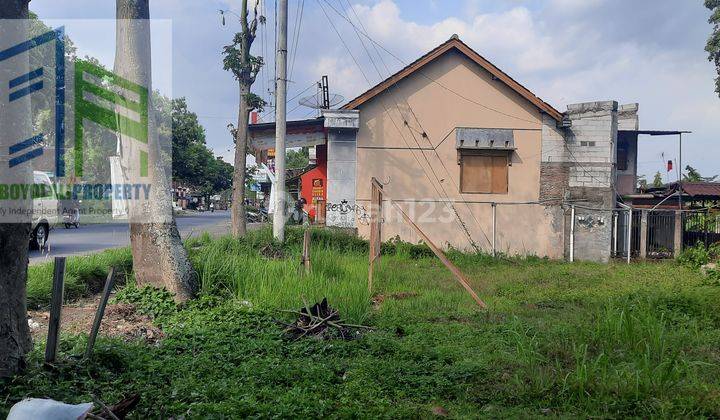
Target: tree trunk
(15,339)
(159,258)
(239,220)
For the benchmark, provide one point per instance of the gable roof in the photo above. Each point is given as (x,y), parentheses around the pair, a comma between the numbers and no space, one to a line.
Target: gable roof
(454,43)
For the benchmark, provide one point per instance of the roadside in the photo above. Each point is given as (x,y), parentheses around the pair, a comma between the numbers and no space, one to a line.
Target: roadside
(89,239)
(121,320)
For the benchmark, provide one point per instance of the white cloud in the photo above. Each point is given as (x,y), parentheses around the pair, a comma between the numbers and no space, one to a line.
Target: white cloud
(574,60)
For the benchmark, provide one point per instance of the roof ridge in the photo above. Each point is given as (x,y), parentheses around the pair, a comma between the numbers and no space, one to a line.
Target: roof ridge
(453,42)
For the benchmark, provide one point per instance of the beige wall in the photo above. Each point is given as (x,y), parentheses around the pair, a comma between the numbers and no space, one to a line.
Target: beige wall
(408,162)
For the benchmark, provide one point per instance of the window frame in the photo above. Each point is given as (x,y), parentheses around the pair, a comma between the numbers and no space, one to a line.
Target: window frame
(507,154)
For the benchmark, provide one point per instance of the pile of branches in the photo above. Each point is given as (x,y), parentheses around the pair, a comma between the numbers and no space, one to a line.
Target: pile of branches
(321,321)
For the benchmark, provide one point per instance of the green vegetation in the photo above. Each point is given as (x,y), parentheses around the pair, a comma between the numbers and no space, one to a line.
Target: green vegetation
(83,275)
(559,339)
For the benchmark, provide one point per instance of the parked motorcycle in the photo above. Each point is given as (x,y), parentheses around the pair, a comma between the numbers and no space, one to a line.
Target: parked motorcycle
(256,215)
(71,218)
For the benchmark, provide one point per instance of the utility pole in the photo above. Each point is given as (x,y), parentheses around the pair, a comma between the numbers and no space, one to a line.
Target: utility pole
(280,120)
(680,168)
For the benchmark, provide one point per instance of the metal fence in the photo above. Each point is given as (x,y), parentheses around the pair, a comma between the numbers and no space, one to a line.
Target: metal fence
(698,227)
(701,227)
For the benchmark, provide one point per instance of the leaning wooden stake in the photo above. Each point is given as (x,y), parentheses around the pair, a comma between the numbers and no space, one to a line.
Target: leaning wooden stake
(306,251)
(56,302)
(109,283)
(375,234)
(456,271)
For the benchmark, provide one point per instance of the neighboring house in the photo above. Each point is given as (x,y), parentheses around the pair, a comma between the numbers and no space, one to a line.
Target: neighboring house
(475,158)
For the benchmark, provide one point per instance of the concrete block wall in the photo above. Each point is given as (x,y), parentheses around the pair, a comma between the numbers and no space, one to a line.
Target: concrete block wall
(341,207)
(578,166)
(591,143)
(628,117)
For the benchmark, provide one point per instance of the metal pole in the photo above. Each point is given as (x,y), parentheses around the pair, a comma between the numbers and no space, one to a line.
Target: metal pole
(572,233)
(615,234)
(680,176)
(58,292)
(629,236)
(280,120)
(494,228)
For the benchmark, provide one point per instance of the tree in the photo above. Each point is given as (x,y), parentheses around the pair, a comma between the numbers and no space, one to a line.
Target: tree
(297,159)
(159,258)
(245,67)
(657,180)
(14,332)
(694,176)
(713,43)
(642,183)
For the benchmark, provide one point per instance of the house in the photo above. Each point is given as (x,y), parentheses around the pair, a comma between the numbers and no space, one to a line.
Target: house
(476,159)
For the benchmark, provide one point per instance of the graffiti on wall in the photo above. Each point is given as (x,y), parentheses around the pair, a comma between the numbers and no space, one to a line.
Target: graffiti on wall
(343,214)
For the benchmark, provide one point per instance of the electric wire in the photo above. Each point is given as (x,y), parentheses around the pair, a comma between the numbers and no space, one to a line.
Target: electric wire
(458,219)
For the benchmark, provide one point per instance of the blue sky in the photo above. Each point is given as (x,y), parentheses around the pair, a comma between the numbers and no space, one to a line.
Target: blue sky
(566,51)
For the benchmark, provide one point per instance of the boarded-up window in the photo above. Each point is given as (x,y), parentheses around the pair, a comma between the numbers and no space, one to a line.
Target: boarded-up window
(483,173)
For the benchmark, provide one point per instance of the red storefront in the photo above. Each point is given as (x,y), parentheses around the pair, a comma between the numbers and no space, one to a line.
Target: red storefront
(304,133)
(313,186)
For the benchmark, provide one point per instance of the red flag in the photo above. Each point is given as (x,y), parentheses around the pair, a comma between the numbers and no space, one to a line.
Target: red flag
(670,166)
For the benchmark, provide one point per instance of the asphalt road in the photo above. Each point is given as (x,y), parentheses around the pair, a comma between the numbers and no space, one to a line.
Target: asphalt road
(89,239)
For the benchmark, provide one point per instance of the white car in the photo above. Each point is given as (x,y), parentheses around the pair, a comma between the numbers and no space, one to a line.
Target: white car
(45,211)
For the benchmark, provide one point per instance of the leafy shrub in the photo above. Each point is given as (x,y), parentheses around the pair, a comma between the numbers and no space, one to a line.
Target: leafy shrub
(695,257)
(712,278)
(156,303)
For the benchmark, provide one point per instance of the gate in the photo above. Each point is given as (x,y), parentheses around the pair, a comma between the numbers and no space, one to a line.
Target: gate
(621,219)
(661,234)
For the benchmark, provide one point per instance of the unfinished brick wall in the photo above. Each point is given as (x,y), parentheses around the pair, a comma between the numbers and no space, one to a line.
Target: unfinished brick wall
(578,166)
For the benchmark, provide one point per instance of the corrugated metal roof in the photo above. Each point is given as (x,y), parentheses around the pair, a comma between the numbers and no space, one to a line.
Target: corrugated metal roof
(484,139)
(703,189)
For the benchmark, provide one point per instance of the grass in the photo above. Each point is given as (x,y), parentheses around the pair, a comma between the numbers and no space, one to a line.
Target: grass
(560,340)
(84,275)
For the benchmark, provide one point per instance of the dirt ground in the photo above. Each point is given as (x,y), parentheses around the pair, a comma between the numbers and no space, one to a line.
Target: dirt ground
(121,321)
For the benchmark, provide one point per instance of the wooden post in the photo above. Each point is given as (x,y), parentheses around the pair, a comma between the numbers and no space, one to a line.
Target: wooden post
(494,229)
(678,234)
(306,251)
(456,271)
(375,233)
(643,234)
(109,283)
(56,302)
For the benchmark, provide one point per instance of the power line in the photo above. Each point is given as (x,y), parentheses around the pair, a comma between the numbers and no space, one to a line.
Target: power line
(424,75)
(458,218)
(423,133)
(296,42)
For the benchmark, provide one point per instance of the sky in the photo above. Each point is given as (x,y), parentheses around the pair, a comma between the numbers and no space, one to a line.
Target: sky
(565,51)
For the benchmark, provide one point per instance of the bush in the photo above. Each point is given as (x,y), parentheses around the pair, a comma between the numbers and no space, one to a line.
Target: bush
(156,303)
(695,257)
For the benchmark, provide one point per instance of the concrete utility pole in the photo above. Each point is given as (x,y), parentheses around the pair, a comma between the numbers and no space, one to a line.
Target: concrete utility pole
(280,120)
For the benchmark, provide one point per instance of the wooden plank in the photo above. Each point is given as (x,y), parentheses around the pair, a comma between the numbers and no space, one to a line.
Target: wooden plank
(109,283)
(456,271)
(375,234)
(306,251)
(499,177)
(476,174)
(58,289)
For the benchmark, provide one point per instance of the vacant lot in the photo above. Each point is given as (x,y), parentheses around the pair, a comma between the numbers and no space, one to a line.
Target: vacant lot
(558,339)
